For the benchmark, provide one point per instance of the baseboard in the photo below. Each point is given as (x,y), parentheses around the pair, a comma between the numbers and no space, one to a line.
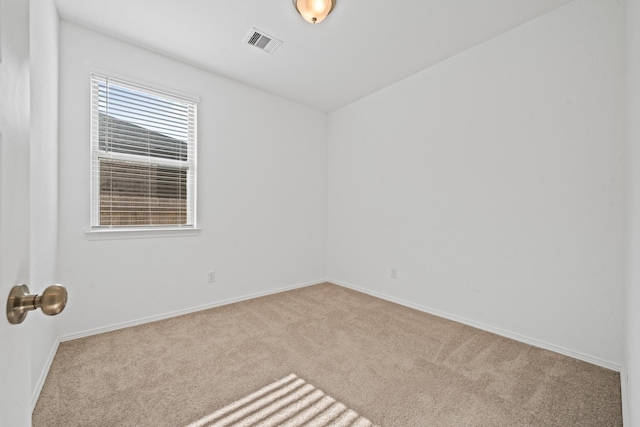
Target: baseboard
(514,336)
(35,395)
(624,384)
(155,318)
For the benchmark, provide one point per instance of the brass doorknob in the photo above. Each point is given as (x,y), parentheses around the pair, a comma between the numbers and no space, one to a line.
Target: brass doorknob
(20,302)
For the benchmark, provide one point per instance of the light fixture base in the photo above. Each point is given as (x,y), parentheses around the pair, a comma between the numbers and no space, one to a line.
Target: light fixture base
(314,11)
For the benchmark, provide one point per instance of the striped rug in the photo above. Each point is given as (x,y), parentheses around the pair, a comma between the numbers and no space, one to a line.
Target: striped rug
(289,402)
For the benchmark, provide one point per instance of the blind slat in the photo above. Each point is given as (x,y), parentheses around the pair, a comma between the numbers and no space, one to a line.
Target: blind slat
(171,113)
(141,103)
(120,88)
(144,118)
(143,149)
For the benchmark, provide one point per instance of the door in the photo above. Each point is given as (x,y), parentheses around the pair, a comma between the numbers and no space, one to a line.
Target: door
(15,365)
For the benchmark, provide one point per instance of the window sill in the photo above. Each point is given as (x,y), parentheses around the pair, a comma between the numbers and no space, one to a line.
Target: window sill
(140,233)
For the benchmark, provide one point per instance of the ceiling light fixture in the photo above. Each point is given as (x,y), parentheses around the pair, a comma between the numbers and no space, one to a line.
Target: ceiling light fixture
(314,11)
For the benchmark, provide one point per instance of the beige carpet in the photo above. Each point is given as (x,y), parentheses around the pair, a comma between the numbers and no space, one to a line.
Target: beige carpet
(289,402)
(393,365)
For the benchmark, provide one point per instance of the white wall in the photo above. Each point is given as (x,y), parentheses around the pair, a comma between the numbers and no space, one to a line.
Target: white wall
(261,194)
(43,179)
(494,182)
(631,367)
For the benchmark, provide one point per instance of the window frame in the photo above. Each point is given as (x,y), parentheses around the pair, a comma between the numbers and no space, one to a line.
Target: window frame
(140,230)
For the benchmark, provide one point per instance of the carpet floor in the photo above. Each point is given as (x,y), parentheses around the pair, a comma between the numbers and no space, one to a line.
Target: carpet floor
(392,365)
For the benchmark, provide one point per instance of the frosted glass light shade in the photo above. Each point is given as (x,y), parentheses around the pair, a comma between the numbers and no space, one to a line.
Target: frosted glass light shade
(314,11)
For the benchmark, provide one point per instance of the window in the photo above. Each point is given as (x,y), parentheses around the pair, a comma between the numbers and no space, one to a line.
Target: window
(143,157)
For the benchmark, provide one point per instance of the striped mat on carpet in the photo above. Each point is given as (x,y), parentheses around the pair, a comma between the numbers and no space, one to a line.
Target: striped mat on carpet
(289,402)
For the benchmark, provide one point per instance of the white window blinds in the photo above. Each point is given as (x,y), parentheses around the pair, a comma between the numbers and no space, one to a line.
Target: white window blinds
(143,157)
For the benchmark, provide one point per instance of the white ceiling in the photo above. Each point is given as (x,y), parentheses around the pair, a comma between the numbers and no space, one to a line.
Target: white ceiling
(363,46)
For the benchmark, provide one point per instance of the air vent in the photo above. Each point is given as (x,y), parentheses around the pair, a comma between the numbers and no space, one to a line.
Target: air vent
(262,41)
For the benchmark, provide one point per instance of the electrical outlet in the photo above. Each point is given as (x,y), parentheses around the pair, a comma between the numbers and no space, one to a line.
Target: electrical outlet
(394,273)
(211,276)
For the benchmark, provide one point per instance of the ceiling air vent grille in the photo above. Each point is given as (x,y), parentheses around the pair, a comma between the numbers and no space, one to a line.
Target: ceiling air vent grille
(262,41)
